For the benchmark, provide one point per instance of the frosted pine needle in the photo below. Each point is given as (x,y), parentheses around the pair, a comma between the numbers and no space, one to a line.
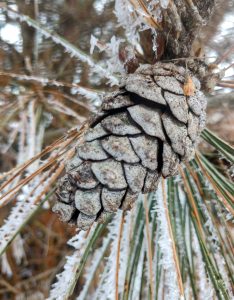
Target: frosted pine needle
(65,280)
(165,244)
(70,48)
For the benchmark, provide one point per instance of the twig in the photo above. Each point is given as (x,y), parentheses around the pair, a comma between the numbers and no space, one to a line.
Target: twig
(225,55)
(9,286)
(226,85)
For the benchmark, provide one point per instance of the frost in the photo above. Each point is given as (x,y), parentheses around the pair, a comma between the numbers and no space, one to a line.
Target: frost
(206,290)
(60,289)
(124,251)
(106,286)
(164,3)
(165,244)
(127,19)
(93,43)
(139,272)
(20,213)
(111,49)
(134,18)
(25,205)
(90,272)
(70,48)
(75,88)
(18,249)
(222,267)
(6,268)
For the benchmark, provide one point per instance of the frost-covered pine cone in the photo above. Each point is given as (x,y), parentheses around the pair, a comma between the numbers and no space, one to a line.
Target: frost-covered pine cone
(144,130)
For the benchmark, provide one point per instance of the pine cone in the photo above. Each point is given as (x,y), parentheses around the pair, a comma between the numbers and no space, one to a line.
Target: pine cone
(144,130)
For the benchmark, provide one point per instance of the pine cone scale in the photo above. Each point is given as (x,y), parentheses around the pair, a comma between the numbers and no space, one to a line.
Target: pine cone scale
(148,119)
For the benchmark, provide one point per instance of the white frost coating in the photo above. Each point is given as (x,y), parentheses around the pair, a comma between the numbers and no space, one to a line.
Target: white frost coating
(147,269)
(113,64)
(165,244)
(5,266)
(179,232)
(213,237)
(133,18)
(225,213)
(185,208)
(90,271)
(129,19)
(20,213)
(206,290)
(88,94)
(106,288)
(138,278)
(18,249)
(60,289)
(187,289)
(25,202)
(93,43)
(31,134)
(125,17)
(71,49)
(60,107)
(76,89)
(222,267)
(124,251)
(164,3)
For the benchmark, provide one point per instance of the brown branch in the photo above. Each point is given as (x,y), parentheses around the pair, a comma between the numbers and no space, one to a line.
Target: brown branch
(182,25)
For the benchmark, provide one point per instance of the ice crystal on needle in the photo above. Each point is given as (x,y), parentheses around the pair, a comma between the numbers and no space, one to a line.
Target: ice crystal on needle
(131,18)
(111,50)
(165,244)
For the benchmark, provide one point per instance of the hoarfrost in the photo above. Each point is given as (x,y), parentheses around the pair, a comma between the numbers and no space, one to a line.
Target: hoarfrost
(164,3)
(106,286)
(206,290)
(90,271)
(18,249)
(134,19)
(93,43)
(165,244)
(111,49)
(70,48)
(124,252)
(6,268)
(65,279)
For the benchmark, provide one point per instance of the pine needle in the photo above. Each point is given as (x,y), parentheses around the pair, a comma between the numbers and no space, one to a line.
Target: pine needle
(179,277)
(149,248)
(119,238)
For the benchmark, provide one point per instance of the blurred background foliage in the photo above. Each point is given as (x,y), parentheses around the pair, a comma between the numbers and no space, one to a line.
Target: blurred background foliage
(41,99)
